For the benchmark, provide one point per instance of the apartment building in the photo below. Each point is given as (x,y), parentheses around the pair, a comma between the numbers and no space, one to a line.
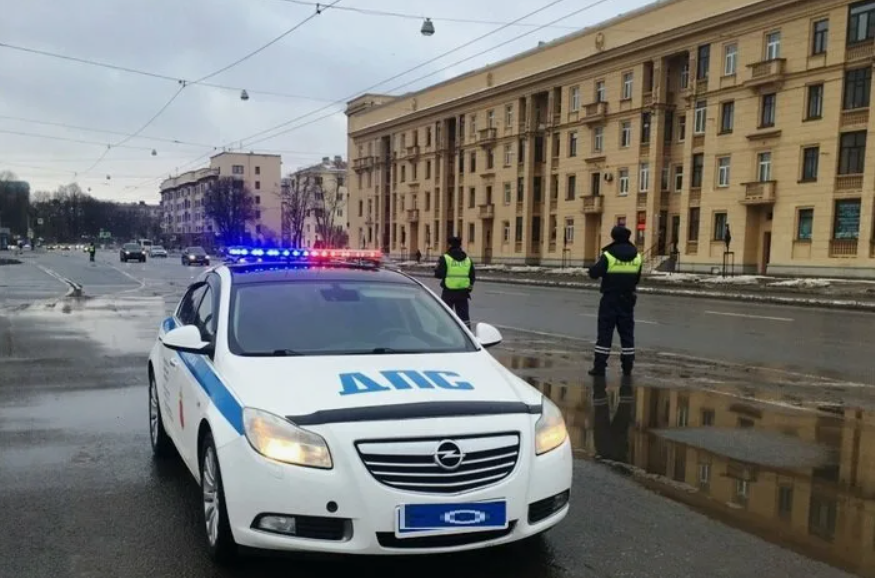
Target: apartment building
(182,198)
(328,182)
(729,115)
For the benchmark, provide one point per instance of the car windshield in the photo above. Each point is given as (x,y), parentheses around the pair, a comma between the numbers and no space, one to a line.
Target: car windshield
(196,251)
(157,248)
(131,247)
(340,318)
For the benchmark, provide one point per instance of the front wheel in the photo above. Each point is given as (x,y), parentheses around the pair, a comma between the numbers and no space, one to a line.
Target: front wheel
(220,541)
(162,446)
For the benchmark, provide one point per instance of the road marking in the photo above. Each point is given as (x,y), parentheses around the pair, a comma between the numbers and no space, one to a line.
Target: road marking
(644,321)
(748,316)
(508,293)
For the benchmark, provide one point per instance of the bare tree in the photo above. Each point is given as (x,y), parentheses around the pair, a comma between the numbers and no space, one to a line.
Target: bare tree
(297,202)
(331,199)
(230,205)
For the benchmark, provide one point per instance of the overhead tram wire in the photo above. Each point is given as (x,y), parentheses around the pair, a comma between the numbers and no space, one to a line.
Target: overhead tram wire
(184,84)
(343,101)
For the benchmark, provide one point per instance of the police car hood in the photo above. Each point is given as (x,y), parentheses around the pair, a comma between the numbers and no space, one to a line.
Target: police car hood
(300,386)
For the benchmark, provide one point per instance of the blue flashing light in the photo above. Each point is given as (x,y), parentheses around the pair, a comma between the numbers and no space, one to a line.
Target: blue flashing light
(239,254)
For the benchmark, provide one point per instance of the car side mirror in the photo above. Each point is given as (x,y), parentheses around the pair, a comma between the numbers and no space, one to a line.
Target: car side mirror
(186,339)
(487,335)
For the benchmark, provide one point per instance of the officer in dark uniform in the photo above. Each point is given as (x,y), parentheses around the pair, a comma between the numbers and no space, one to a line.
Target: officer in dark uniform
(456,272)
(619,268)
(92,249)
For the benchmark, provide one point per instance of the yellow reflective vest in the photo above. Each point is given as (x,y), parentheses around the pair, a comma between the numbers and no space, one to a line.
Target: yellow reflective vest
(458,273)
(615,266)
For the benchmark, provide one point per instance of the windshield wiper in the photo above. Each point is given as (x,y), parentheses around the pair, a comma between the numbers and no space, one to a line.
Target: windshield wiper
(274,353)
(388,350)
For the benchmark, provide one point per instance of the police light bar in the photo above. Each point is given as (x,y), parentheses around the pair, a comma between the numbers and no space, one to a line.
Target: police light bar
(261,255)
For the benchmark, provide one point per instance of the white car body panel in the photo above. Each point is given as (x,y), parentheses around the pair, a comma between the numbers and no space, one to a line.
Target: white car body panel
(195,390)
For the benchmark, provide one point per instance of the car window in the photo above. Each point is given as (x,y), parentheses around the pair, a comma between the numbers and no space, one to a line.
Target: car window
(204,318)
(188,306)
(340,318)
(131,247)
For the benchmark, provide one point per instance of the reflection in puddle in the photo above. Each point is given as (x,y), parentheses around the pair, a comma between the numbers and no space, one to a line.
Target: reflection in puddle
(803,478)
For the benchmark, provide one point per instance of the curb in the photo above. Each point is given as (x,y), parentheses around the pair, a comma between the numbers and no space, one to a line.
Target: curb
(842,304)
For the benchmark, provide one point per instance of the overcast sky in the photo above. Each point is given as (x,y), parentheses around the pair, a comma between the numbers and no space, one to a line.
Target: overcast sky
(331,58)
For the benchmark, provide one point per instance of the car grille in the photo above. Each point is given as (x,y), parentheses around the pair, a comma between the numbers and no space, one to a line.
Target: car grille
(411,465)
(389,540)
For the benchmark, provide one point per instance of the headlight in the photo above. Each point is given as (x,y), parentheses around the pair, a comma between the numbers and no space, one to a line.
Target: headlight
(281,440)
(550,430)
(191,257)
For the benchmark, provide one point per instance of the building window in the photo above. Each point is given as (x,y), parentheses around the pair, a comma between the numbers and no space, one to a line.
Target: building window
(403,173)
(804,224)
(623,177)
(257,214)
(518,230)
(701,116)
(810,160)
(598,139)
(861,22)
(644,177)
(679,178)
(472,197)
(427,170)
(473,122)
(600,95)
(727,117)
(852,153)
(819,37)
(575,98)
(507,193)
(773,46)
(708,416)
(719,226)
(723,171)
(257,170)
(682,128)
(470,232)
(858,83)
(814,110)
(572,143)
(505,231)
(685,75)
(571,188)
(846,222)
(693,229)
(520,190)
(730,60)
(645,128)
(490,119)
(569,230)
(257,199)
(764,167)
(473,163)
(626,134)
(664,178)
(703,64)
(237,169)
(508,154)
(627,85)
(698,170)
(490,159)
(767,110)
(508,116)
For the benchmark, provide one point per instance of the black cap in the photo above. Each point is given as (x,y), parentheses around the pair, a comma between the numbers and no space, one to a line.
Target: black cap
(455,241)
(621,234)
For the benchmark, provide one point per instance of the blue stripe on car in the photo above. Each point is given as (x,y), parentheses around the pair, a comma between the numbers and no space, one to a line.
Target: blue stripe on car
(206,376)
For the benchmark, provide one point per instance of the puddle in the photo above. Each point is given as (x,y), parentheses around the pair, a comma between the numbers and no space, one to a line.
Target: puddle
(801,477)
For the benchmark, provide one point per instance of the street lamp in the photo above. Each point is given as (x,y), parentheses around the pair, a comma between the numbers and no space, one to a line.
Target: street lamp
(427,27)
(244,96)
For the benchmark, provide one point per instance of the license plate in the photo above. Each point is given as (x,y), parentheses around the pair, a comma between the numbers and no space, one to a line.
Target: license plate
(415,520)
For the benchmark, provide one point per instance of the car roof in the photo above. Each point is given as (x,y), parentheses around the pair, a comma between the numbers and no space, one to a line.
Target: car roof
(279,272)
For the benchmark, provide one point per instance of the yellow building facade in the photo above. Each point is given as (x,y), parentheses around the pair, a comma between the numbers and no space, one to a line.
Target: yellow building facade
(682,121)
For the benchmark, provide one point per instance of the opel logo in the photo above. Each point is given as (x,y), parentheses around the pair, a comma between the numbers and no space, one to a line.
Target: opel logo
(448,455)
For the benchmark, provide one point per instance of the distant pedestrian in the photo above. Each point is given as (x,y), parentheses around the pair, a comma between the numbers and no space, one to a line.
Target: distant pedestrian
(456,272)
(418,256)
(619,268)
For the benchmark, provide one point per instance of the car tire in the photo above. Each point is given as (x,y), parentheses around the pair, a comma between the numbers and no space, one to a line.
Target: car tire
(220,541)
(162,446)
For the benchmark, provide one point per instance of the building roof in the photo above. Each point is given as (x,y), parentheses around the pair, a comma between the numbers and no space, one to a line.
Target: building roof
(242,154)
(328,165)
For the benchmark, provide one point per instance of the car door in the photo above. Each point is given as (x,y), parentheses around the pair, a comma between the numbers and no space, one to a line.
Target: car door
(193,398)
(175,368)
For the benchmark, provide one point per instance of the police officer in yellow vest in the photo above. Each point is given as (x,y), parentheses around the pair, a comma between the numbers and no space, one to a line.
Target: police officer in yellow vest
(619,268)
(456,272)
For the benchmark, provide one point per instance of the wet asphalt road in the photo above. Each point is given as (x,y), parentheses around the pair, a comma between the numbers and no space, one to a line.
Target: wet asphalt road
(87,500)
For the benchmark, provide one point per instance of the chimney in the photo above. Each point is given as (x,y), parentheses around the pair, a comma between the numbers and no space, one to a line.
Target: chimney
(337,160)
(326,160)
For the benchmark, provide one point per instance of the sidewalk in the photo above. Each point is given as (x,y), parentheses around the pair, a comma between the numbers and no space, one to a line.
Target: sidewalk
(856,295)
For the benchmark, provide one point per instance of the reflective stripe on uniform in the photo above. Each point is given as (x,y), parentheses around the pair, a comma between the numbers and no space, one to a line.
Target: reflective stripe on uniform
(458,273)
(623,267)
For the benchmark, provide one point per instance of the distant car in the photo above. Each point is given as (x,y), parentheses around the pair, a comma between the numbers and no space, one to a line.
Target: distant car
(132,252)
(195,256)
(158,251)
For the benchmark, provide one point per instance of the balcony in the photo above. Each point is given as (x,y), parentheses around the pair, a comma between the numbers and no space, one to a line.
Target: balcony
(596,113)
(843,247)
(767,74)
(860,51)
(488,136)
(554,163)
(487,211)
(413,216)
(759,193)
(593,205)
(857,118)
(363,163)
(849,184)
(642,201)
(695,197)
(413,151)
(647,99)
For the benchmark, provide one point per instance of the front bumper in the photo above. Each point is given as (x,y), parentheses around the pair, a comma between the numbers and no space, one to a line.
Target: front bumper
(346,510)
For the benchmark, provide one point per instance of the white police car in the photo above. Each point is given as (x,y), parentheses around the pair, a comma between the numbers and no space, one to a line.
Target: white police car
(326,404)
